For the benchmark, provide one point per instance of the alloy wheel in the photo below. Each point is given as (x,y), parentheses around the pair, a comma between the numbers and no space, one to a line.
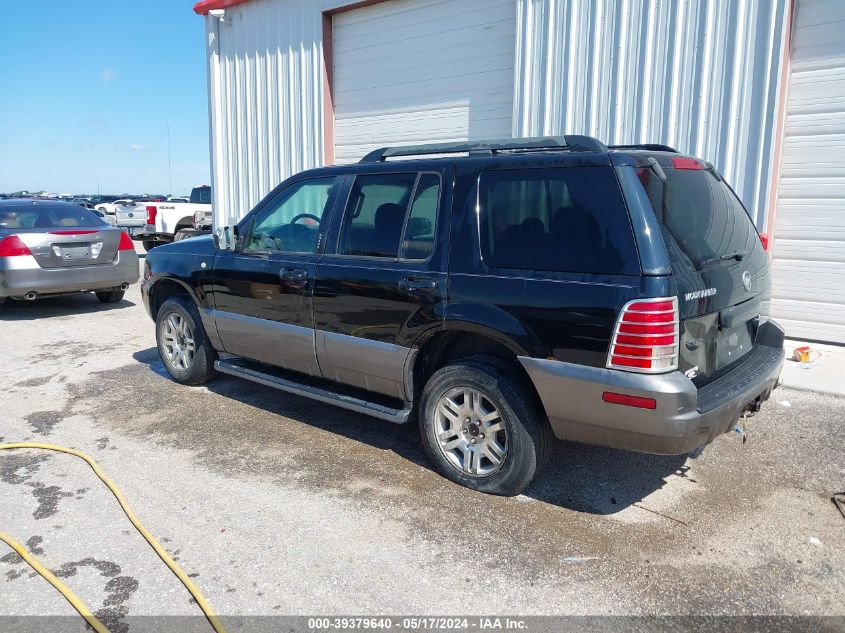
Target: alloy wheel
(470,432)
(177,341)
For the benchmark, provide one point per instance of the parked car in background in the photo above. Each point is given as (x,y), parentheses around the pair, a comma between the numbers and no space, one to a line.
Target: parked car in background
(83,203)
(111,207)
(526,290)
(50,248)
(105,217)
(132,218)
(164,220)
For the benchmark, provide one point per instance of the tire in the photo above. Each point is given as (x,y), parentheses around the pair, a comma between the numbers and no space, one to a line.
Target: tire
(197,367)
(525,432)
(184,234)
(148,245)
(110,296)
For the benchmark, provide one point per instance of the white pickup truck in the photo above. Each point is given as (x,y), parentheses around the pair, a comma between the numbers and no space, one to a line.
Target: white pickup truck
(164,220)
(133,217)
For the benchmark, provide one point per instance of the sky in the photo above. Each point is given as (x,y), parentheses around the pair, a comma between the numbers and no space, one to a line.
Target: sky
(87,89)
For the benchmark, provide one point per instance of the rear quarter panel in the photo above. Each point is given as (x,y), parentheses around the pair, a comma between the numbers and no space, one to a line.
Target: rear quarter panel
(558,315)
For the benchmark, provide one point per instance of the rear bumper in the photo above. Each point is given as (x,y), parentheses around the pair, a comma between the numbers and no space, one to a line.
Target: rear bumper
(148,233)
(21,275)
(684,418)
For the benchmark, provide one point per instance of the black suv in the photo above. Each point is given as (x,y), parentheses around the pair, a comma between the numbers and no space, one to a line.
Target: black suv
(507,294)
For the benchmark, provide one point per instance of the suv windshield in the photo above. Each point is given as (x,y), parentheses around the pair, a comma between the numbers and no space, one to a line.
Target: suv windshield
(700,215)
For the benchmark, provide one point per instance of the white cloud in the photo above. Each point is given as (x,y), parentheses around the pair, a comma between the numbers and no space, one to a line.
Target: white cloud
(132,147)
(107,74)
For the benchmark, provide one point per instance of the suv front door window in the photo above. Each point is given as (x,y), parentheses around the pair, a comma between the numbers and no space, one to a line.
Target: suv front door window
(262,291)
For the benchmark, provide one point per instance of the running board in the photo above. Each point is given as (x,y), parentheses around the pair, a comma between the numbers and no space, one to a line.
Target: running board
(383,412)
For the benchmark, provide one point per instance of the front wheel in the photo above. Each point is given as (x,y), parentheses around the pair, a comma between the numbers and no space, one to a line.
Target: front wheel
(183,345)
(482,427)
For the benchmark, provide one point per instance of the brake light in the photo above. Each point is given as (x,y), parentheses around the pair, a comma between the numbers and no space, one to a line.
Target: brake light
(764,240)
(645,338)
(125,242)
(681,162)
(152,212)
(72,232)
(629,401)
(13,246)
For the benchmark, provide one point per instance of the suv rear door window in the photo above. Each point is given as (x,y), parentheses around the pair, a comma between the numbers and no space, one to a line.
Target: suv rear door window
(570,219)
(418,241)
(375,214)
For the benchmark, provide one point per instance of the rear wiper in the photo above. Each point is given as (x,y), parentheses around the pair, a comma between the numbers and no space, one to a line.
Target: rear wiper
(738,256)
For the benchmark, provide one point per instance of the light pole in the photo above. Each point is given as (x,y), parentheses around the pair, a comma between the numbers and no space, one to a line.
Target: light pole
(169,171)
(98,185)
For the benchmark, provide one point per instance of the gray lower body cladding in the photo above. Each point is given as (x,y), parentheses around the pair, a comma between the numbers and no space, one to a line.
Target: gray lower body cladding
(682,420)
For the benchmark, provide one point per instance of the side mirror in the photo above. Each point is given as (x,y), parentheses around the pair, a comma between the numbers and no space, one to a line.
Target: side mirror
(222,238)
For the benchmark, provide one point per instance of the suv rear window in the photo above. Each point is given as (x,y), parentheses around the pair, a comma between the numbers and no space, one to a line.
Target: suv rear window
(569,219)
(699,214)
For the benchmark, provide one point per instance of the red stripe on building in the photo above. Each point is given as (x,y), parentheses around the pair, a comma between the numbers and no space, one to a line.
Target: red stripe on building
(204,6)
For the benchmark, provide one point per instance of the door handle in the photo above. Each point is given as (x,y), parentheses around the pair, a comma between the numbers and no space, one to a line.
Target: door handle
(417,284)
(293,274)
(294,278)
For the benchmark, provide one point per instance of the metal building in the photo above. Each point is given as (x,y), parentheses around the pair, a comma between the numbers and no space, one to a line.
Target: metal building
(295,84)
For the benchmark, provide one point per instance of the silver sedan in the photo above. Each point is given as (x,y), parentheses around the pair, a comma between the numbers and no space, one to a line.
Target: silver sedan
(50,248)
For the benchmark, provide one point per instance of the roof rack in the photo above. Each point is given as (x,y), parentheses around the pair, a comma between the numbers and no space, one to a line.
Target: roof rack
(654,147)
(569,142)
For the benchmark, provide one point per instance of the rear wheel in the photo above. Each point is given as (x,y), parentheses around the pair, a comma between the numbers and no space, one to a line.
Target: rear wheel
(482,427)
(183,345)
(148,245)
(110,296)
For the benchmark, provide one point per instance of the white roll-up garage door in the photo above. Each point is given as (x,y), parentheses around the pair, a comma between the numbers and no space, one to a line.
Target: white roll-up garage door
(422,71)
(809,245)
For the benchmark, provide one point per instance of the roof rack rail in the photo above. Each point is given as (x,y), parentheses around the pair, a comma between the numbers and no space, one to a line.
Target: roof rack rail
(571,142)
(654,147)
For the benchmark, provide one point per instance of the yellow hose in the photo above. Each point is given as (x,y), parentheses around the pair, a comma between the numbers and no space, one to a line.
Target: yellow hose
(90,618)
(212,617)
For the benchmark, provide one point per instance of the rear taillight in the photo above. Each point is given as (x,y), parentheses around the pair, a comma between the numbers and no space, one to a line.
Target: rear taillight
(12,246)
(764,240)
(646,337)
(125,242)
(152,211)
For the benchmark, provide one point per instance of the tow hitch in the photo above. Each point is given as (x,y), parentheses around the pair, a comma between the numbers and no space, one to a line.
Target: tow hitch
(749,410)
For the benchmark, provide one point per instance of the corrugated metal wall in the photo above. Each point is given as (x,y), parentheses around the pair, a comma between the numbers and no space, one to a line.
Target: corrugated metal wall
(701,76)
(696,74)
(266,98)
